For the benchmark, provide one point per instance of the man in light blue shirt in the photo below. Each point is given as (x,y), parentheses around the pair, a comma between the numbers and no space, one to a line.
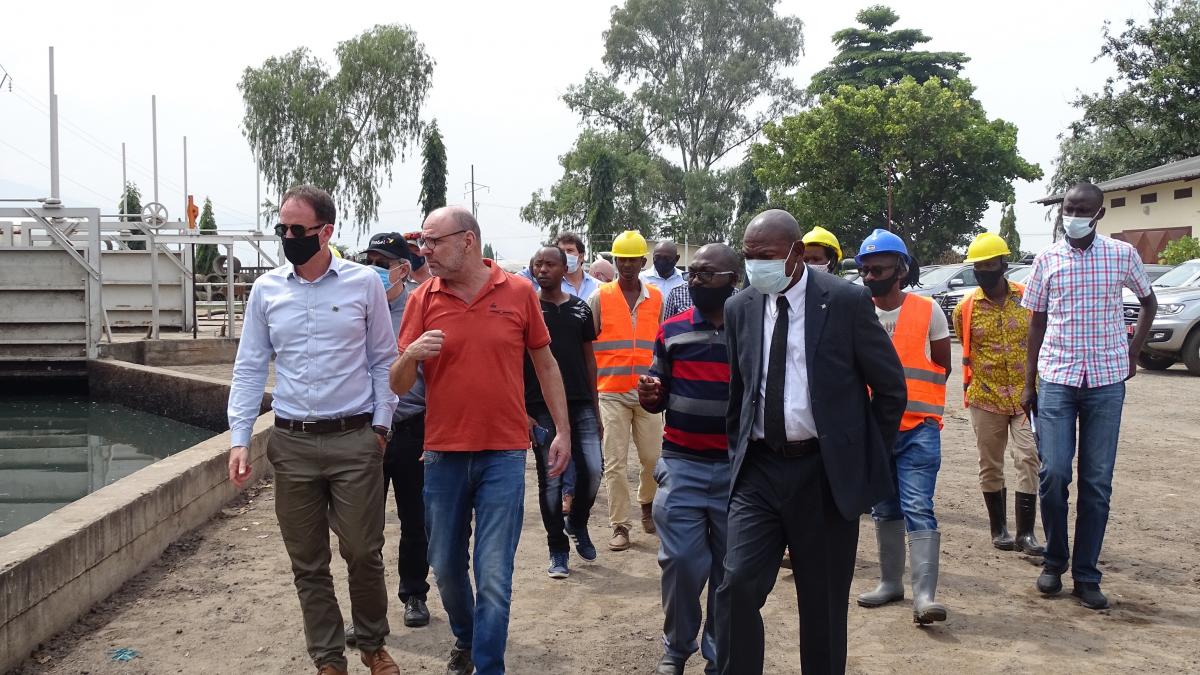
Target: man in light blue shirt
(664,276)
(576,281)
(326,322)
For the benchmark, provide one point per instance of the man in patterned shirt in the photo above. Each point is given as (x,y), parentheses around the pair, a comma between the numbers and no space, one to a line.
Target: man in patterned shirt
(994,329)
(1079,358)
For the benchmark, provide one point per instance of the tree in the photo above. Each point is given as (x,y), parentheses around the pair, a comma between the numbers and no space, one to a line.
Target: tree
(878,55)
(1179,251)
(691,79)
(945,160)
(1008,231)
(206,253)
(131,203)
(489,252)
(339,131)
(1147,113)
(433,171)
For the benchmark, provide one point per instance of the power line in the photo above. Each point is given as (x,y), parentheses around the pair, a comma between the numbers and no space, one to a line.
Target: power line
(39,162)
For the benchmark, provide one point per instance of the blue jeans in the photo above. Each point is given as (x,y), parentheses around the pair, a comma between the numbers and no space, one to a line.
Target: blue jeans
(568,479)
(586,456)
(1098,413)
(490,484)
(915,463)
(691,509)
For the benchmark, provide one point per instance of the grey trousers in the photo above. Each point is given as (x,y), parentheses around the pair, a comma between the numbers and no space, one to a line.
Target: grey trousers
(333,481)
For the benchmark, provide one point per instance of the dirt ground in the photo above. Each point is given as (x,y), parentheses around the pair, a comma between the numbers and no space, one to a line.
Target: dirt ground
(221,599)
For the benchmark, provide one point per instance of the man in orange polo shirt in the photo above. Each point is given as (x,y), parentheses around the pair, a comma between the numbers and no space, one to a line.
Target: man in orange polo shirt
(473,318)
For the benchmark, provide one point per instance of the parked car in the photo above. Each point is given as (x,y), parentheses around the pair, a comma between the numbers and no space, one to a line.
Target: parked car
(1156,271)
(950,299)
(1175,333)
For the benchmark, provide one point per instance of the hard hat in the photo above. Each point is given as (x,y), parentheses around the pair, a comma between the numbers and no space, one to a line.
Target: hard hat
(823,237)
(336,253)
(985,247)
(630,244)
(882,241)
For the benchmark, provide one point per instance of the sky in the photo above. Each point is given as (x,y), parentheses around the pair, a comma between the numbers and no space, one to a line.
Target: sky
(501,69)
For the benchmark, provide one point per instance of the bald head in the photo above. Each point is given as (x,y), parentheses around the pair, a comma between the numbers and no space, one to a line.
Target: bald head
(603,270)
(716,257)
(667,249)
(1083,199)
(776,225)
(456,217)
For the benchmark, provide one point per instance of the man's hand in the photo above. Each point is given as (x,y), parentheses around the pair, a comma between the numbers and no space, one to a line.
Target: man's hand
(559,455)
(382,442)
(428,346)
(1029,400)
(649,391)
(532,423)
(239,466)
(1132,366)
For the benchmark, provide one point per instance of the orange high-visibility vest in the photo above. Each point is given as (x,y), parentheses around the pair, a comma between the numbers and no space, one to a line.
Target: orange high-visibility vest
(625,346)
(926,380)
(968,307)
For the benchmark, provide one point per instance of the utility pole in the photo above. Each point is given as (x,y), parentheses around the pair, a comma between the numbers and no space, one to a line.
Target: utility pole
(54,193)
(154,140)
(124,187)
(471,187)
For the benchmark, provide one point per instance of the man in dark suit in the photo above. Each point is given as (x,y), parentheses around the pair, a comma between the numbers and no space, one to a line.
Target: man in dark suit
(809,443)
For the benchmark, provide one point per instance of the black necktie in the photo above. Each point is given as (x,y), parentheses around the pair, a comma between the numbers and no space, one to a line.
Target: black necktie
(774,431)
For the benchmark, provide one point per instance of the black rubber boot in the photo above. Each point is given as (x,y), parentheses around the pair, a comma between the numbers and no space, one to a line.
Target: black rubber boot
(1026,507)
(998,518)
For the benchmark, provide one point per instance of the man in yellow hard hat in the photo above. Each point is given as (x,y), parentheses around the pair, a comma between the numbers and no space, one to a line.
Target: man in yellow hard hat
(822,250)
(993,328)
(627,313)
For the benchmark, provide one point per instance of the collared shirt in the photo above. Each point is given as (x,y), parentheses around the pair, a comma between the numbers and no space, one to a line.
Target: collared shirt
(1080,292)
(586,289)
(692,361)
(475,387)
(332,341)
(396,307)
(999,341)
(412,403)
(630,397)
(666,285)
(679,300)
(799,423)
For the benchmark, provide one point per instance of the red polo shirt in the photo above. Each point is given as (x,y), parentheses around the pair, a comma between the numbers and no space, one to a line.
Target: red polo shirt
(475,393)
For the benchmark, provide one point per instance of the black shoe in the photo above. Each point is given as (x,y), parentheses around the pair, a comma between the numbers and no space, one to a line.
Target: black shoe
(351,638)
(1049,583)
(668,667)
(416,614)
(1089,595)
(997,522)
(460,662)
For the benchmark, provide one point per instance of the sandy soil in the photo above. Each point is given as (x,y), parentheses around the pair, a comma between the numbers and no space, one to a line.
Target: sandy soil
(221,599)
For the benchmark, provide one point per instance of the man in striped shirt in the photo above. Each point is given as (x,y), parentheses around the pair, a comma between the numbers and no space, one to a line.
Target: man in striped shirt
(1078,360)
(690,381)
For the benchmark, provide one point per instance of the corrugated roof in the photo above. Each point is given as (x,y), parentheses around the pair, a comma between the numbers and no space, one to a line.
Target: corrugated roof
(1183,169)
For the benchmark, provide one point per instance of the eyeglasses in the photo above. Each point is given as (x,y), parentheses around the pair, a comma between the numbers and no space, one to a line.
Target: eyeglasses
(432,242)
(706,277)
(875,270)
(298,231)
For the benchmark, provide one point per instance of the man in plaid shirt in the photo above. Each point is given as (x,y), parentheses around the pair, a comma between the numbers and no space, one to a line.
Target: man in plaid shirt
(1079,358)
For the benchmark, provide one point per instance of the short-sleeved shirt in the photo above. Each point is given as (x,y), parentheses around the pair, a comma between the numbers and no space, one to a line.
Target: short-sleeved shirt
(570,325)
(474,389)
(939,329)
(1080,292)
(692,362)
(999,341)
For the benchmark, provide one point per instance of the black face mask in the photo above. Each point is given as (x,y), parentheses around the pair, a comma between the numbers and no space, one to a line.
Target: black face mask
(418,261)
(709,299)
(665,268)
(880,287)
(299,250)
(988,280)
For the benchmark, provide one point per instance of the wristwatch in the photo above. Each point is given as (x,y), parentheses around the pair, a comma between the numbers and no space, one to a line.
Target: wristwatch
(386,432)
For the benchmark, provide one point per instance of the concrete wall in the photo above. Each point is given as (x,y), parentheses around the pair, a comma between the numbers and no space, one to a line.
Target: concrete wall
(1164,213)
(181,352)
(52,571)
(194,399)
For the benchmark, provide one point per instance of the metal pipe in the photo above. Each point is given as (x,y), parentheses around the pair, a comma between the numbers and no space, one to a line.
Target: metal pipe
(124,184)
(154,139)
(229,289)
(53,132)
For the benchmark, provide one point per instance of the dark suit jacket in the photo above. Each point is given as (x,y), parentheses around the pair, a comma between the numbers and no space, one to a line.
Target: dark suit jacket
(847,351)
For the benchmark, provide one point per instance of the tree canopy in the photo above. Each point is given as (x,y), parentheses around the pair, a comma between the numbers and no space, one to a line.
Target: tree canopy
(340,131)
(131,203)
(877,55)
(1148,112)
(433,171)
(946,160)
(1009,233)
(206,254)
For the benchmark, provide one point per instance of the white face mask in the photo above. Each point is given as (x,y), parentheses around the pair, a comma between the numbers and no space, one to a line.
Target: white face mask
(1078,227)
(572,263)
(768,276)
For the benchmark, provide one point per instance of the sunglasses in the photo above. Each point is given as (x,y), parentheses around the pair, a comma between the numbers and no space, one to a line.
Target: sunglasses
(706,277)
(876,271)
(298,231)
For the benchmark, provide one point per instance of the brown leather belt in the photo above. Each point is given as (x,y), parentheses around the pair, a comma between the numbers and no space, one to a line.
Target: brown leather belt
(791,449)
(329,426)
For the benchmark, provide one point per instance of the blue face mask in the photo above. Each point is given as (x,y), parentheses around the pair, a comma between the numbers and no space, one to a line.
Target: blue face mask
(769,276)
(385,276)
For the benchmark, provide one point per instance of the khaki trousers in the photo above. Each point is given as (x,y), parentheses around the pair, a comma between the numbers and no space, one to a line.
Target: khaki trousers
(624,420)
(323,482)
(993,433)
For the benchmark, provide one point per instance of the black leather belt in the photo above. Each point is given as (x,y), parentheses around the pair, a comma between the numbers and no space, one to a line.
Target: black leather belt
(325,426)
(790,449)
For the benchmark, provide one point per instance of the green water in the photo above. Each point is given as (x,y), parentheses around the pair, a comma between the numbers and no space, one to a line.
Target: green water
(56,449)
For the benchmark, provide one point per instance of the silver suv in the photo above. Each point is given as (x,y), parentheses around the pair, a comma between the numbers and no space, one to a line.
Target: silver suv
(1175,333)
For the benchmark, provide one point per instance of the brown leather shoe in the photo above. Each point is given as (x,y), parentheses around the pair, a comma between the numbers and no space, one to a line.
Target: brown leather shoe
(620,539)
(380,662)
(330,669)
(648,518)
